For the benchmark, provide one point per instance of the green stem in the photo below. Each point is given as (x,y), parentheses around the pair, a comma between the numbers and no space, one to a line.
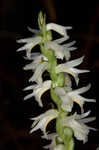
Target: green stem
(57,81)
(65,133)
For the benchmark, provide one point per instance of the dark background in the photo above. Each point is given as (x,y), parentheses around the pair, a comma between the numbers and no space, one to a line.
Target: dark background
(15,16)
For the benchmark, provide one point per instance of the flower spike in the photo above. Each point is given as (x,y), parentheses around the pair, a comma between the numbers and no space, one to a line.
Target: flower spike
(59,84)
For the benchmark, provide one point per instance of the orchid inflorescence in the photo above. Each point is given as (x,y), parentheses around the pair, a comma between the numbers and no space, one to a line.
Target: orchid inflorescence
(59,84)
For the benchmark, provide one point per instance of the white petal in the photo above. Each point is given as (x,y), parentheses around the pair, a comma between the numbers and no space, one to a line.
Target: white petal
(58,28)
(67,45)
(74,63)
(69,64)
(28,96)
(82,90)
(86,120)
(35,31)
(31,66)
(25,47)
(31,87)
(34,40)
(60,40)
(38,92)
(75,70)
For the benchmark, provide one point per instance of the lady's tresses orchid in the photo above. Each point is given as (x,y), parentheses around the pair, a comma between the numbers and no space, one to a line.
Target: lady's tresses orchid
(76,122)
(59,85)
(73,96)
(69,67)
(38,91)
(37,59)
(61,51)
(42,121)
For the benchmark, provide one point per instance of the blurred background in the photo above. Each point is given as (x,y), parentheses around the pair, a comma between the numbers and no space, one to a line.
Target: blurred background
(15,17)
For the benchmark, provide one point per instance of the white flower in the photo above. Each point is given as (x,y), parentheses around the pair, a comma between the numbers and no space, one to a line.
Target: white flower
(76,97)
(66,47)
(68,97)
(37,76)
(68,67)
(76,122)
(42,121)
(38,91)
(37,59)
(30,43)
(61,51)
(58,28)
(38,66)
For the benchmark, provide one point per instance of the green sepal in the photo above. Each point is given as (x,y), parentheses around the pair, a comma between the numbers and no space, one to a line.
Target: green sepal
(68,138)
(55,98)
(60,79)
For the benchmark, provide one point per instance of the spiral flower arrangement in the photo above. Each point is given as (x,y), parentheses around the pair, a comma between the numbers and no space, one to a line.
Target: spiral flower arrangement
(68,125)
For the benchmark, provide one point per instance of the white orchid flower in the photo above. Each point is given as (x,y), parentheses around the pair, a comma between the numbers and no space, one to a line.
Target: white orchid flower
(58,28)
(37,76)
(36,56)
(38,91)
(76,122)
(30,43)
(76,97)
(36,61)
(73,96)
(68,67)
(42,121)
(61,51)
(67,48)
